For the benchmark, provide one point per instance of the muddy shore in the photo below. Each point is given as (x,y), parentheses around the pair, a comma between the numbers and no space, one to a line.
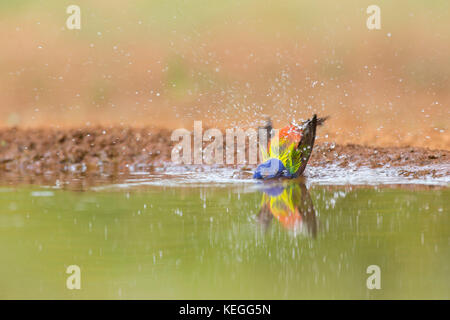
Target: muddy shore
(107,150)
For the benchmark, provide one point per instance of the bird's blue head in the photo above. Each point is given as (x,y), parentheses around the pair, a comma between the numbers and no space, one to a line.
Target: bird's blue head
(272,168)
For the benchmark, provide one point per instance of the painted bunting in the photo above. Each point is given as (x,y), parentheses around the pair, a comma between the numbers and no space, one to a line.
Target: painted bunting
(288,152)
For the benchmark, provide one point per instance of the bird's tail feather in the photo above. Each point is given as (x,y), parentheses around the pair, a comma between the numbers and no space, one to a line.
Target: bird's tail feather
(321,120)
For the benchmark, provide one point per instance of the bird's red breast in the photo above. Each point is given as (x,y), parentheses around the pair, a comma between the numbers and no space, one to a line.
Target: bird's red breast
(291,133)
(288,134)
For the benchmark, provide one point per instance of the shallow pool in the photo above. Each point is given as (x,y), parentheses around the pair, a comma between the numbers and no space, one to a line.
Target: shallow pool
(241,241)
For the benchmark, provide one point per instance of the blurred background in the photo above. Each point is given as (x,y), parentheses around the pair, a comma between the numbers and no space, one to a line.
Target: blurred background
(167,63)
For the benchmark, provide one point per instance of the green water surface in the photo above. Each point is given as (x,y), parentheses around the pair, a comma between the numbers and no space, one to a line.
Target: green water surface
(232,242)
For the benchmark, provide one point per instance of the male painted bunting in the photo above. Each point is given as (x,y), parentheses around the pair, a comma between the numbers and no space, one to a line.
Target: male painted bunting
(288,152)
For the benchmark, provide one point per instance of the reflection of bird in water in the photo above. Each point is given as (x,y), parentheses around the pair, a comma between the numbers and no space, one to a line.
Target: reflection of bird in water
(291,204)
(288,152)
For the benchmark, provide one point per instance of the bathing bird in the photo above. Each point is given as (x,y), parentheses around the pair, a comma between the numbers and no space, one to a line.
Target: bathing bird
(288,150)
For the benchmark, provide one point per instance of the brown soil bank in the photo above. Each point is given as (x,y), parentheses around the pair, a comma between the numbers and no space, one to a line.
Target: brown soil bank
(117,149)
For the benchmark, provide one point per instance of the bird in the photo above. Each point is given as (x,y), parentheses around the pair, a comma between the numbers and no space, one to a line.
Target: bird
(288,152)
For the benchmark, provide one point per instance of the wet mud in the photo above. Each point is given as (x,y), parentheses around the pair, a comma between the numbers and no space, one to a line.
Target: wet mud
(113,150)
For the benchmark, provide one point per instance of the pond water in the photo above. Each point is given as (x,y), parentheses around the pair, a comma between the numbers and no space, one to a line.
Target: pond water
(286,240)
